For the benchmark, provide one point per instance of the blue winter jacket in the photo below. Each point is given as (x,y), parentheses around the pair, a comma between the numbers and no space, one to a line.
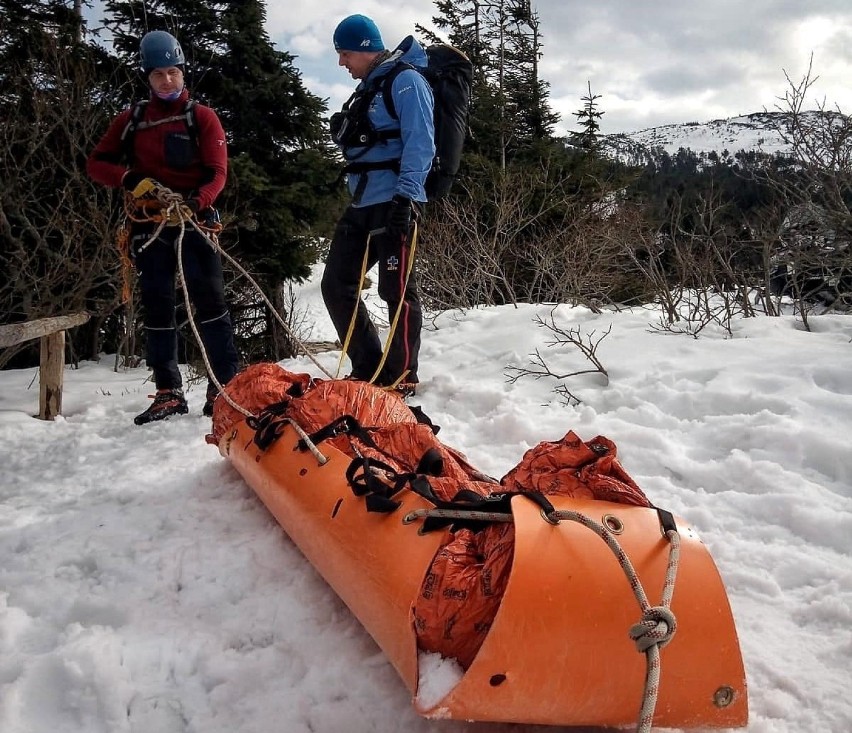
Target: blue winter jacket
(415,148)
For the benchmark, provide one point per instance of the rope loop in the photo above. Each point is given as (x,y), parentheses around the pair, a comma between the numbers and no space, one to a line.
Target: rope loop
(657,627)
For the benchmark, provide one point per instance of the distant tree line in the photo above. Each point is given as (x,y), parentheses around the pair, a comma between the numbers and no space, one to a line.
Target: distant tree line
(536,216)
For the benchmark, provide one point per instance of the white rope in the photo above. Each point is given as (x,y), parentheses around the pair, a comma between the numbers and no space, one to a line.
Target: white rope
(215,244)
(173,208)
(306,439)
(657,625)
(194,326)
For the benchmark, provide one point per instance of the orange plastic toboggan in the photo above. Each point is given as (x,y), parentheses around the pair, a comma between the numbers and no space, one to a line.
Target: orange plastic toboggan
(558,652)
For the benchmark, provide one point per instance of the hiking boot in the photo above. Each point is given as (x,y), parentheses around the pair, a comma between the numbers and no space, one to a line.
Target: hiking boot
(406,389)
(167,402)
(212,394)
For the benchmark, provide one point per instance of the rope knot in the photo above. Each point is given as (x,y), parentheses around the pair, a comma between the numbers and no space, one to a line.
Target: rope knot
(657,627)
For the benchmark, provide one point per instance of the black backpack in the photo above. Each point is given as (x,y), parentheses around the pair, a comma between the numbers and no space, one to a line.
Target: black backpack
(450,75)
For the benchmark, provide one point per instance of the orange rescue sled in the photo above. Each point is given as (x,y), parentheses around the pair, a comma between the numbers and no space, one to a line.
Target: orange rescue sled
(559,649)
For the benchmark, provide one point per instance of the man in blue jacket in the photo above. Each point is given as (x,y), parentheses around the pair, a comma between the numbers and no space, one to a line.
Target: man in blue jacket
(388,155)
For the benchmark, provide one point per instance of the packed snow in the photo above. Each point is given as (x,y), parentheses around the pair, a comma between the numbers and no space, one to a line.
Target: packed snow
(145,589)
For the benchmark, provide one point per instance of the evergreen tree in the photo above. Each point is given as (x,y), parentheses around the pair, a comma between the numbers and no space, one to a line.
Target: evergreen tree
(526,94)
(55,225)
(510,114)
(588,138)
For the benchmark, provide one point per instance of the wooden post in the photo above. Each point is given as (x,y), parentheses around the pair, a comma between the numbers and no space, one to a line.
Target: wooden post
(51,331)
(51,373)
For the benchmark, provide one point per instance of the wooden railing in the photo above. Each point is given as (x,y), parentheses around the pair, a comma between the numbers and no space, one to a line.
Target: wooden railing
(51,331)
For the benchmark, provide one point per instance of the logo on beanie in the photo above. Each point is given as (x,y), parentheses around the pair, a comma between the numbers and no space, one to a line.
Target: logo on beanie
(365,42)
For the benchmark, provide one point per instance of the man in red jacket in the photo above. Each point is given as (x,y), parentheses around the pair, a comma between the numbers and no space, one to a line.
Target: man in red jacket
(175,164)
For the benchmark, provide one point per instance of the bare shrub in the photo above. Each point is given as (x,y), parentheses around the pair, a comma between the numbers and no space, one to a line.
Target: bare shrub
(587,344)
(526,235)
(814,256)
(56,226)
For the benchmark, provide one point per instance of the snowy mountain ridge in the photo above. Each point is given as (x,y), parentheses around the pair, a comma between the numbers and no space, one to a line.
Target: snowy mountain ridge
(756,131)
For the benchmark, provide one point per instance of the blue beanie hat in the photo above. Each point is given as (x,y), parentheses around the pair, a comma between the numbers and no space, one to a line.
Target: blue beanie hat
(357,33)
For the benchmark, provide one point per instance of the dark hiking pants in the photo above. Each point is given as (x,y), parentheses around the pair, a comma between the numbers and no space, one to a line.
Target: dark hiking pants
(342,297)
(156,265)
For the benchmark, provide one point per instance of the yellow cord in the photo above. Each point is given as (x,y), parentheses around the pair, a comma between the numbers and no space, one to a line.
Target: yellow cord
(395,320)
(396,315)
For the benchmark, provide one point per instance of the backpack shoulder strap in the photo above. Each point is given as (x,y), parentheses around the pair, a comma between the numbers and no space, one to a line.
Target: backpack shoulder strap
(136,114)
(129,131)
(189,118)
(387,86)
(137,122)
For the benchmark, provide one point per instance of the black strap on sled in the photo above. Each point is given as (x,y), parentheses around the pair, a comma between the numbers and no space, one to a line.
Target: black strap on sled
(349,425)
(667,520)
(269,424)
(272,421)
(344,425)
(470,501)
(378,482)
(424,419)
(431,463)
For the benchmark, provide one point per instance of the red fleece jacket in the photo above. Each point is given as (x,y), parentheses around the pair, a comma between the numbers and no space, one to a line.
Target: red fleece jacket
(203,179)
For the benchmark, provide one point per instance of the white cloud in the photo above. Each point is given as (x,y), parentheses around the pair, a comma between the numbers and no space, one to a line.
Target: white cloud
(652,62)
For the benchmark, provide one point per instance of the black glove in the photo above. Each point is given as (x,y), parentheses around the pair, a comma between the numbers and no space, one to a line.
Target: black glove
(400,216)
(131,180)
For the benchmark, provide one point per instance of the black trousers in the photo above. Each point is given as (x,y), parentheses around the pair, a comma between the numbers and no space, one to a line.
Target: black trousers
(342,297)
(156,265)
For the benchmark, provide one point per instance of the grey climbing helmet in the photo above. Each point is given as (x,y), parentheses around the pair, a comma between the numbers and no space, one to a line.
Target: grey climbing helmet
(159,50)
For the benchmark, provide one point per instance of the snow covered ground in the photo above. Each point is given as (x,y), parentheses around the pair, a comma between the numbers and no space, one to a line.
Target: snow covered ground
(145,589)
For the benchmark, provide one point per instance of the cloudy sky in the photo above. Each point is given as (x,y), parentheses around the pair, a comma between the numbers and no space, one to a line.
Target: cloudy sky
(653,63)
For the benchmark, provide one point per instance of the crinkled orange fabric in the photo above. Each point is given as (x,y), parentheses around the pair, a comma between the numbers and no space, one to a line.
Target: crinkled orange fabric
(454,611)
(570,467)
(332,399)
(461,594)
(256,387)
(464,584)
